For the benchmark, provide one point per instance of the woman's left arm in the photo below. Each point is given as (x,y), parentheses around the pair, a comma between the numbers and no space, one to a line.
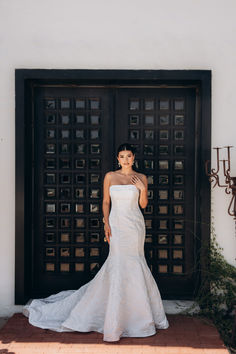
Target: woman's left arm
(142,185)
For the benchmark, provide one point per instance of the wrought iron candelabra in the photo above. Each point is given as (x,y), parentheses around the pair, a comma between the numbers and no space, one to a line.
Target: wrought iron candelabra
(229,182)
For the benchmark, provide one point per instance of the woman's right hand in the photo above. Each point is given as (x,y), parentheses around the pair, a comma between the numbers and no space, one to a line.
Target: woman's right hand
(107,231)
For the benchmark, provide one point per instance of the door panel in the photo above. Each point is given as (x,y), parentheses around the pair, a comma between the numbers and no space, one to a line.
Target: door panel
(72,152)
(76,133)
(160,123)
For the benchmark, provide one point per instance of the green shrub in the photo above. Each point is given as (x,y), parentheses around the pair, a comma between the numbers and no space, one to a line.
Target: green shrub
(217,293)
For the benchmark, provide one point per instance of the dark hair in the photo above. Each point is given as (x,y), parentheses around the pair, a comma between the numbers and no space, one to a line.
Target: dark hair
(125,146)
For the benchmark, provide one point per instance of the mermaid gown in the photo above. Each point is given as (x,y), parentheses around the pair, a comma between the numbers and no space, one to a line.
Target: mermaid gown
(122,300)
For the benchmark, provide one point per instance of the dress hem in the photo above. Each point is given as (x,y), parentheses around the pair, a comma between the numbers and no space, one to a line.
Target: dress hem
(106,338)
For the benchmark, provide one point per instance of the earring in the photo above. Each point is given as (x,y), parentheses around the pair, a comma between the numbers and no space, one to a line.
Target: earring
(119,164)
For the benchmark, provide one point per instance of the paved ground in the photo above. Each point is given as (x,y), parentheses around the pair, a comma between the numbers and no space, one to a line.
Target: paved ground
(186,335)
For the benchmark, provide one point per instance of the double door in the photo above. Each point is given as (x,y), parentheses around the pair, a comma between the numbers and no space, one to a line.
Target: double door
(76,131)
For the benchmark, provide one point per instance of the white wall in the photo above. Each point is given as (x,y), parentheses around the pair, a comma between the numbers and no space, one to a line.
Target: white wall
(107,34)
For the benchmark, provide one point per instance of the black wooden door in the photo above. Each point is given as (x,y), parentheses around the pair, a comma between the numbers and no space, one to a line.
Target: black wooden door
(72,150)
(76,133)
(160,123)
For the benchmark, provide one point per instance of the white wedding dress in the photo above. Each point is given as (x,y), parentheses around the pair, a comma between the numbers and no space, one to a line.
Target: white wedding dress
(122,300)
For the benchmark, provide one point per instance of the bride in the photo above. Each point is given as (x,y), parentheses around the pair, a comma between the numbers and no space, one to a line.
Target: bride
(122,300)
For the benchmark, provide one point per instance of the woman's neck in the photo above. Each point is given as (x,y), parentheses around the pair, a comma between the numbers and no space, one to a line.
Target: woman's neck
(126,172)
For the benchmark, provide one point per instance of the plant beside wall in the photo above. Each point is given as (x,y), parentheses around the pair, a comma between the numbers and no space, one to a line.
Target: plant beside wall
(217,294)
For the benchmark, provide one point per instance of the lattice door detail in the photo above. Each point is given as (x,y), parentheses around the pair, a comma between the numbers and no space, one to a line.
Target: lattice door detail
(161,129)
(71,155)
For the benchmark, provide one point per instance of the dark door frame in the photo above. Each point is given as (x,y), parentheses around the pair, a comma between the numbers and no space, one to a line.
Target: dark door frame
(25,79)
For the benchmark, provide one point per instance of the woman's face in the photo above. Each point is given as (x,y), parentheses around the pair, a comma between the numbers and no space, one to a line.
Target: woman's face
(126,158)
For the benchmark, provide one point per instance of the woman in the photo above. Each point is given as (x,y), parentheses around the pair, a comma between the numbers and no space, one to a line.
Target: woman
(122,300)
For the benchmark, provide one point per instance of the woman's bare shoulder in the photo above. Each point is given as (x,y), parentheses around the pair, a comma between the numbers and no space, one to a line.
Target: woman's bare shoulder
(141,175)
(109,174)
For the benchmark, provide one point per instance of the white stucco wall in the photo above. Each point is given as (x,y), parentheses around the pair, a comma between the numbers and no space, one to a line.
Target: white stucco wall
(109,34)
